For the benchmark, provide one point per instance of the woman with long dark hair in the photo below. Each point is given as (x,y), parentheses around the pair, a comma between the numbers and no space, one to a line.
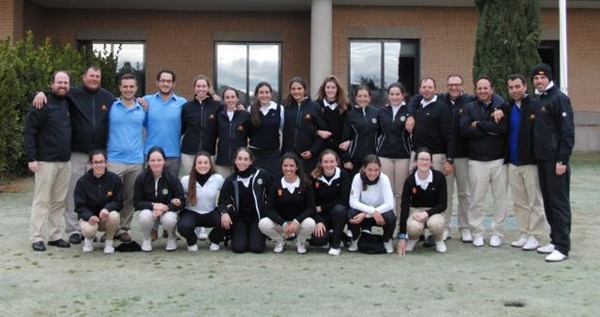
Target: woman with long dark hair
(333,105)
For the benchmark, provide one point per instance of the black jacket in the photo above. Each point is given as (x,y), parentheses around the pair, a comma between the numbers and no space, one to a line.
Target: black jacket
(330,193)
(199,125)
(362,128)
(525,140)
(434,197)
(395,140)
(168,187)
(554,128)
(434,129)
(301,122)
(334,120)
(47,132)
(229,194)
(232,134)
(89,118)
(93,194)
(486,140)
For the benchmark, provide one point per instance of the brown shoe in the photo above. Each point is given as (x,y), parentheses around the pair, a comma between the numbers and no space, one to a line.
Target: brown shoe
(124,237)
(154,234)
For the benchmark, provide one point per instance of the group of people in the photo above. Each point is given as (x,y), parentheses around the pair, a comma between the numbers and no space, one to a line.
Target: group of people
(300,171)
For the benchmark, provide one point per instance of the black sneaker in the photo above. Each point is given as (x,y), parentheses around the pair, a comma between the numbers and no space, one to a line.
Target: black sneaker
(60,243)
(75,238)
(38,246)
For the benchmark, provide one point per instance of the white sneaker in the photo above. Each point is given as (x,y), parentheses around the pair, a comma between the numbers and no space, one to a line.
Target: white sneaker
(334,252)
(465,235)
(447,234)
(440,246)
(547,249)
(201,233)
(171,244)
(279,246)
(495,241)
(193,248)
(410,245)
(146,245)
(556,256)
(301,247)
(88,245)
(353,246)
(108,247)
(478,240)
(532,244)
(521,242)
(214,247)
(389,248)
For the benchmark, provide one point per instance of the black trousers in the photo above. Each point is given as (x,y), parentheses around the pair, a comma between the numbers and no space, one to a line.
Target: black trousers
(555,191)
(368,223)
(245,236)
(334,221)
(189,220)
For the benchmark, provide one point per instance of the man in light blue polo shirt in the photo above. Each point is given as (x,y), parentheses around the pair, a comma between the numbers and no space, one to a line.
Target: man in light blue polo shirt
(125,146)
(163,121)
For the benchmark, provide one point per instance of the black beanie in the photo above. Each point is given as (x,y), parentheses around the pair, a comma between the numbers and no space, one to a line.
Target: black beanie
(542,69)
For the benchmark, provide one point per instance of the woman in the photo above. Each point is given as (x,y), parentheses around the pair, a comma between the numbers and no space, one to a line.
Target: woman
(332,187)
(423,204)
(290,203)
(302,120)
(98,200)
(242,203)
(371,203)
(159,196)
(333,104)
(394,149)
(199,122)
(359,137)
(267,122)
(233,125)
(202,187)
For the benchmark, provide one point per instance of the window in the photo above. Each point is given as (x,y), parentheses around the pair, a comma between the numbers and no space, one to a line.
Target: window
(378,63)
(549,53)
(131,57)
(243,65)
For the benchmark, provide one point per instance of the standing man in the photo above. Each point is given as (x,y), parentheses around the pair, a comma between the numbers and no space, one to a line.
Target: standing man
(554,135)
(47,142)
(522,168)
(163,125)
(486,161)
(125,146)
(88,107)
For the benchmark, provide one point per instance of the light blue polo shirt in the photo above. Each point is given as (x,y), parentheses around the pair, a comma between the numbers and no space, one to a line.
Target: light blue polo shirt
(125,144)
(163,124)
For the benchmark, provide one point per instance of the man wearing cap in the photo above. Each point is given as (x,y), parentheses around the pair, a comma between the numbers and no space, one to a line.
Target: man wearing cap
(554,138)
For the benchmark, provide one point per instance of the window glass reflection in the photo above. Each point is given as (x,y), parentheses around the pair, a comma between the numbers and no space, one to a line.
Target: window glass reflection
(131,59)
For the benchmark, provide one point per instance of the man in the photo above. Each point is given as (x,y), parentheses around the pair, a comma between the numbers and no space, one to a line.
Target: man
(125,146)
(486,161)
(88,108)
(522,169)
(164,120)
(554,139)
(47,142)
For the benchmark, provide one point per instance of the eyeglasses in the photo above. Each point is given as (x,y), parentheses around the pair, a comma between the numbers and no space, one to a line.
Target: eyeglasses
(453,85)
(98,162)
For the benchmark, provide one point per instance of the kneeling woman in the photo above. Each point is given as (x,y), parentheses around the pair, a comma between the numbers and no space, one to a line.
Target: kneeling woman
(98,199)
(332,187)
(242,203)
(159,197)
(202,187)
(423,204)
(290,203)
(371,203)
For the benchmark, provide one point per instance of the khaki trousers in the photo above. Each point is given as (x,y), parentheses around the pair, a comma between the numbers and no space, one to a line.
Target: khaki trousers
(527,199)
(275,230)
(51,186)
(481,176)
(397,171)
(109,225)
(128,173)
(79,166)
(460,176)
(435,224)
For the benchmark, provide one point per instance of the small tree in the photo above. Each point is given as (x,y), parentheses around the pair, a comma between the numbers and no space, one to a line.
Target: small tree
(508,36)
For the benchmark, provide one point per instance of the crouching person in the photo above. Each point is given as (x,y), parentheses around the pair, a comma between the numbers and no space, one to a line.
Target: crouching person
(424,200)
(290,203)
(98,200)
(159,196)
